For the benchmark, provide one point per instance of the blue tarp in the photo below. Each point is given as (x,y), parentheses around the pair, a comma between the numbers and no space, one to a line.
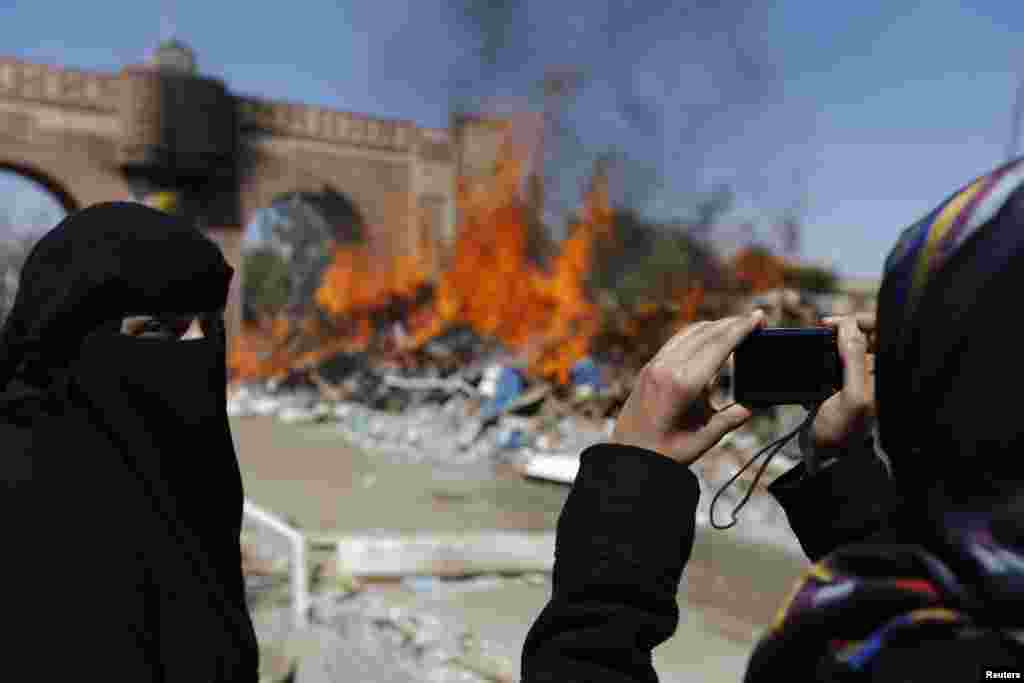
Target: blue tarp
(587,373)
(509,386)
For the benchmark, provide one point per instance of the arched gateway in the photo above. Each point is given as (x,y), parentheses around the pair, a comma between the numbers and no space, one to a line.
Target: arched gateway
(163,131)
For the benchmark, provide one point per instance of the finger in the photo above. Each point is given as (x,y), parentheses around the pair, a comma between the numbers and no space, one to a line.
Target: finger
(720,424)
(866,322)
(720,344)
(853,350)
(676,352)
(673,344)
(681,359)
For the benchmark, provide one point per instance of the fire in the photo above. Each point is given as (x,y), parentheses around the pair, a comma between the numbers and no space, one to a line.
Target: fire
(259,350)
(543,313)
(495,288)
(760,269)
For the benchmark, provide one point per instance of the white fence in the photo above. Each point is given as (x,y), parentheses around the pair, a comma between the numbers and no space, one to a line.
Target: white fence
(297,570)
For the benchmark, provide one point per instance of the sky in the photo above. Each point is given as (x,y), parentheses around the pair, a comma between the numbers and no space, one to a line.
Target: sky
(875,111)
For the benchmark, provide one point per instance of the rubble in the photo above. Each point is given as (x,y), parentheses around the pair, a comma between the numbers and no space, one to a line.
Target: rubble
(464,402)
(465,407)
(366,638)
(547,443)
(449,386)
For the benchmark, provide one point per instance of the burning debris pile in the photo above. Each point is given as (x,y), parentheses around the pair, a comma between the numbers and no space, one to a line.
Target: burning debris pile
(368,302)
(467,403)
(504,357)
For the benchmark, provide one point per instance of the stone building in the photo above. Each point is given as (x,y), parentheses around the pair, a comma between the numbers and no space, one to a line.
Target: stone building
(164,133)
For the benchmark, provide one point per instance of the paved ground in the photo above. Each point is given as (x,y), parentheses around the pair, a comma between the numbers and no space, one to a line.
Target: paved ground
(309,474)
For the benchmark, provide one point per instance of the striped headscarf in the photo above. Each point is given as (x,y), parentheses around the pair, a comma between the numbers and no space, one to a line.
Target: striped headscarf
(949,373)
(928,245)
(861,600)
(948,287)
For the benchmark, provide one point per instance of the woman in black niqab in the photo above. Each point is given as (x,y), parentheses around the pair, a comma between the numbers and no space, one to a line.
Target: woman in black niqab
(122,493)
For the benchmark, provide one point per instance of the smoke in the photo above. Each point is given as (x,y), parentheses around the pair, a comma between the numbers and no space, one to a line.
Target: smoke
(654,86)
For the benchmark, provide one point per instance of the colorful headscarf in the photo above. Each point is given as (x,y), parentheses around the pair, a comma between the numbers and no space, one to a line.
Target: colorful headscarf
(948,287)
(948,369)
(925,247)
(862,599)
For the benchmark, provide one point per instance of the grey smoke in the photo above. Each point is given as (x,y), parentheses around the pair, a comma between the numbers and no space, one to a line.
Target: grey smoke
(675,78)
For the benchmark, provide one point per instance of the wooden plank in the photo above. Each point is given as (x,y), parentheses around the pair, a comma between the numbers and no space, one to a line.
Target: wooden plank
(558,468)
(454,554)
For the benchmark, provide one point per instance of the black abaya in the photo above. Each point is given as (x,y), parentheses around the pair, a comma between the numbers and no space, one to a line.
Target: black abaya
(123,497)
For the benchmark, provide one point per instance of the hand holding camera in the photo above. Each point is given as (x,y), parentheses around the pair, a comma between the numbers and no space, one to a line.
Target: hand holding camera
(832,365)
(670,412)
(847,415)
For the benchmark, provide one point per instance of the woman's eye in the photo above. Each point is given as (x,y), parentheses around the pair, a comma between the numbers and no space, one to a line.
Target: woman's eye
(164,327)
(155,327)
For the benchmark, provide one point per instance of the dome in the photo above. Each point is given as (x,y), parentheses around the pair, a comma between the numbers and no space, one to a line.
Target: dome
(174,55)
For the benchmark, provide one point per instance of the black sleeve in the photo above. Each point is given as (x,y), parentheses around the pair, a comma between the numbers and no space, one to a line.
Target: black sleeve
(843,503)
(624,535)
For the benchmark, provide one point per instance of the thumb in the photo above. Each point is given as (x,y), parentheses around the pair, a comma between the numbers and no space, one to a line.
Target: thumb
(853,349)
(723,422)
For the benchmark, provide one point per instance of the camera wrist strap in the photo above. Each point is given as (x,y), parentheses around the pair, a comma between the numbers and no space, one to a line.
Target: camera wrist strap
(772,449)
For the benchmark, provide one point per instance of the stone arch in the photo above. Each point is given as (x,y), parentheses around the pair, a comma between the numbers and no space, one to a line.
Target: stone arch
(44,181)
(297,226)
(19,231)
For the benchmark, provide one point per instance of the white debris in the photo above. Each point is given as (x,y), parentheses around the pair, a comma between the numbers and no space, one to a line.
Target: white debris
(560,468)
(449,435)
(296,414)
(265,406)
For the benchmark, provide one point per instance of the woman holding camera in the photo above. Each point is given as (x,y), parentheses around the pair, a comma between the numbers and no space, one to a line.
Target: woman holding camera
(919,557)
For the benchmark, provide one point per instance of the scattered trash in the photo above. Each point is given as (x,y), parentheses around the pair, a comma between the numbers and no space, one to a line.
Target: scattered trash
(586,373)
(511,438)
(366,639)
(296,414)
(462,401)
(535,579)
(421,584)
(465,408)
(502,385)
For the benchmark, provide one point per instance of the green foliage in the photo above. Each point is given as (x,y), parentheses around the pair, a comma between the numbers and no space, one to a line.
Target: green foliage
(812,279)
(652,261)
(266,282)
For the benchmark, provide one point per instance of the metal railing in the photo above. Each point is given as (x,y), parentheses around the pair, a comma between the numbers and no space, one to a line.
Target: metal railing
(297,541)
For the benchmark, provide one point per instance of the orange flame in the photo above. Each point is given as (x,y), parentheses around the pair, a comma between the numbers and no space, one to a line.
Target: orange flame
(759,269)
(492,285)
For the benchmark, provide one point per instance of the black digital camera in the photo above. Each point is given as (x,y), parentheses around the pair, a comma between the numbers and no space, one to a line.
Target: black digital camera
(787,365)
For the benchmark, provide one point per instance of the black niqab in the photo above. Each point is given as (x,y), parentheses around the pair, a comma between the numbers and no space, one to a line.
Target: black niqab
(119,463)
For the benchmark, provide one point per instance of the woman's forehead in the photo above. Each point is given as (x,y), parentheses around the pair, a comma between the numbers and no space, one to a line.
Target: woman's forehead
(174,314)
(147,316)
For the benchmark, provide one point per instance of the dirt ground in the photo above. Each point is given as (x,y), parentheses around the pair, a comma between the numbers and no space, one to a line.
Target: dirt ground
(311,476)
